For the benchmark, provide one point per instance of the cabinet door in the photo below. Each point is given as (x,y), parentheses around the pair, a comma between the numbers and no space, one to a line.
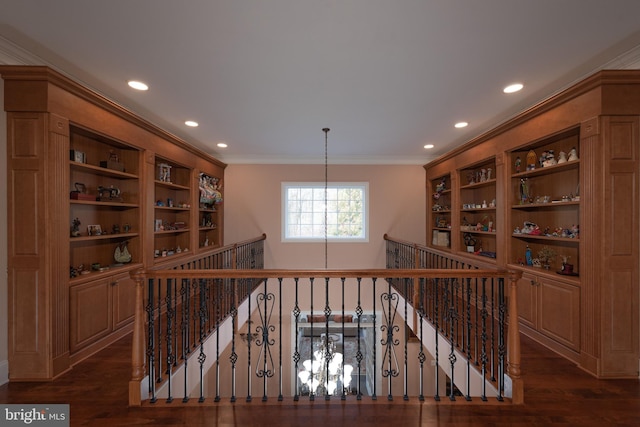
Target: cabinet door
(123,294)
(90,312)
(559,312)
(527,291)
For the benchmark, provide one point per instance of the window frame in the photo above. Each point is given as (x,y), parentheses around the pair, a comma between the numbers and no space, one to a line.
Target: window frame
(360,185)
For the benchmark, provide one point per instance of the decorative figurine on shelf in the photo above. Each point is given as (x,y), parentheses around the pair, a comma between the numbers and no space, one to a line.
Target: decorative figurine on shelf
(489,170)
(527,256)
(75,228)
(562,157)
(210,190)
(550,159)
(532,159)
(573,154)
(524,190)
(483,175)
(471,178)
(442,185)
(542,158)
(546,254)
(518,165)
(121,254)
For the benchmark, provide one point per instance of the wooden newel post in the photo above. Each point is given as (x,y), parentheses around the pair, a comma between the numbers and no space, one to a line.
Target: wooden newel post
(513,351)
(138,346)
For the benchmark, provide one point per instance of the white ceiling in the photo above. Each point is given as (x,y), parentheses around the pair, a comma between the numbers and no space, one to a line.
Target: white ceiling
(265,76)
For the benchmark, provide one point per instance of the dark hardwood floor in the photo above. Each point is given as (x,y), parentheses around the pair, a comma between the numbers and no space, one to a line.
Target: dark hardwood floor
(556,393)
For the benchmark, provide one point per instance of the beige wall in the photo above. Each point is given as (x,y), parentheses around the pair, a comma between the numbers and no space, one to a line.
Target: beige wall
(253,206)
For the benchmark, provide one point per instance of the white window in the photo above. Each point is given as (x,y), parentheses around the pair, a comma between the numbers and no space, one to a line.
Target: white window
(306,216)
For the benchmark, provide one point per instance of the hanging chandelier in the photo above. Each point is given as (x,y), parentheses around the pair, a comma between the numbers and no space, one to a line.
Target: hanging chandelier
(326,373)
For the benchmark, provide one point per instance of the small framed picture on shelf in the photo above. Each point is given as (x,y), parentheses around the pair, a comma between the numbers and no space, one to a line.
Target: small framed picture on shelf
(94,230)
(164,172)
(158,225)
(77,156)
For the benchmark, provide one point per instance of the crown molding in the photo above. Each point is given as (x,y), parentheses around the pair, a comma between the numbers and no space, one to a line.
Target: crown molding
(316,160)
(12,54)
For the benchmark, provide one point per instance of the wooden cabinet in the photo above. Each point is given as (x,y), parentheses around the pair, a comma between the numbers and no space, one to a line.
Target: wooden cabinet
(98,308)
(550,309)
(78,162)
(566,178)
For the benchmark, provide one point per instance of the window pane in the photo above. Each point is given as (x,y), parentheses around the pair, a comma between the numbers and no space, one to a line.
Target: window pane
(306,214)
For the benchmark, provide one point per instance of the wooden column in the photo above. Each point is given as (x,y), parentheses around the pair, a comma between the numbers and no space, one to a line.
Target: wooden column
(513,341)
(137,347)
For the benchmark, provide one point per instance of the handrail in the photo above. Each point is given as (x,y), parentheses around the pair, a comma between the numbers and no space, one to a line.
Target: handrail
(415,273)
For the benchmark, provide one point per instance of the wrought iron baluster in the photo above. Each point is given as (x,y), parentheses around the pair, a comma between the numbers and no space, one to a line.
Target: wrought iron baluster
(249,336)
(263,341)
(151,350)
(327,355)
(160,334)
(170,354)
(234,322)
(436,285)
(452,316)
(493,332)
(483,336)
(312,393)
(468,337)
(406,341)
(502,306)
(296,353)
(390,342)
(344,350)
(184,328)
(202,319)
(279,335)
(421,355)
(219,284)
(359,352)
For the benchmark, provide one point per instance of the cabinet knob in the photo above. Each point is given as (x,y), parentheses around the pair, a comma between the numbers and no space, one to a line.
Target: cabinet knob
(533,282)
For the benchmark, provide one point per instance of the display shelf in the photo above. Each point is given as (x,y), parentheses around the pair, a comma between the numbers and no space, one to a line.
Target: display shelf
(172,208)
(105,170)
(210,199)
(439,204)
(476,209)
(545,197)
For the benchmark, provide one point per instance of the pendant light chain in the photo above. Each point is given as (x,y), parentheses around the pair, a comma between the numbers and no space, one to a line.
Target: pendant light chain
(326,184)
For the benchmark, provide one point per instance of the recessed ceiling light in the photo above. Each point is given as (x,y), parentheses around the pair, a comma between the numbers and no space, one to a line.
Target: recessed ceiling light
(461,125)
(515,87)
(428,146)
(137,85)
(222,145)
(191,123)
